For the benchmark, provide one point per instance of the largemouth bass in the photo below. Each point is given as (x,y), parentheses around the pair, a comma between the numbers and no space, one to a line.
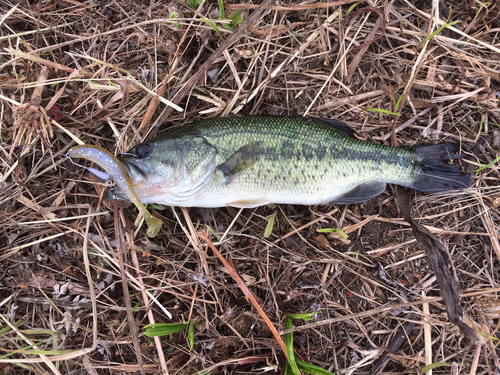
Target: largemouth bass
(253,161)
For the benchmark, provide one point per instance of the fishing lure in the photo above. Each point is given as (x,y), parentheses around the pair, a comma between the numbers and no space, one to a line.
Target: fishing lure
(116,170)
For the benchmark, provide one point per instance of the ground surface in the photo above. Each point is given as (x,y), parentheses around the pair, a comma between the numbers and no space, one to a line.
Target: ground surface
(90,70)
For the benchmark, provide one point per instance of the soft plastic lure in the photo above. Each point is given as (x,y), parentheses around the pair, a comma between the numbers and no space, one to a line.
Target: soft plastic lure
(116,170)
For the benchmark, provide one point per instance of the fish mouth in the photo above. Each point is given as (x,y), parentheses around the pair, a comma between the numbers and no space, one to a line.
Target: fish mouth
(137,171)
(115,194)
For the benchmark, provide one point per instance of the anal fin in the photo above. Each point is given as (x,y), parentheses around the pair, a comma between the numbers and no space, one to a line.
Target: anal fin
(360,193)
(248,203)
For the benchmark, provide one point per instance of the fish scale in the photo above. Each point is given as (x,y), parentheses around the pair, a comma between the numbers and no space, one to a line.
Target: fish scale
(251,161)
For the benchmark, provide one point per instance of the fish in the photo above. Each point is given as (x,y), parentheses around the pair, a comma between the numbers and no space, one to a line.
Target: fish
(258,160)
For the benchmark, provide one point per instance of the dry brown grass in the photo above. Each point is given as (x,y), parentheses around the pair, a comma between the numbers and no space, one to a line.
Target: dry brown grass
(102,72)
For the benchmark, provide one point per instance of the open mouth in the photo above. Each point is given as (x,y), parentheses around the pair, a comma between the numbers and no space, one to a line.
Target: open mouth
(136,170)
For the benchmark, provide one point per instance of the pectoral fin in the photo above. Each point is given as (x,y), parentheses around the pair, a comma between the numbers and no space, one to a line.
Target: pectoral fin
(361,193)
(241,160)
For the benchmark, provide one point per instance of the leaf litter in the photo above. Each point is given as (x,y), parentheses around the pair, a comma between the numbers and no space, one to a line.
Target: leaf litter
(114,74)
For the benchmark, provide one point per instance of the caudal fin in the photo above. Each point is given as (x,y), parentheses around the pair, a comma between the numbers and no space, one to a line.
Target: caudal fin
(434,173)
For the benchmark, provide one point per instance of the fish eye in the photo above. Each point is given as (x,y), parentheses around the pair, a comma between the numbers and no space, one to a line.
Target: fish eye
(144,150)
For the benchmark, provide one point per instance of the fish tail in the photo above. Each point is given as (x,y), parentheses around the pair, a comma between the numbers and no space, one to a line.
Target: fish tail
(434,174)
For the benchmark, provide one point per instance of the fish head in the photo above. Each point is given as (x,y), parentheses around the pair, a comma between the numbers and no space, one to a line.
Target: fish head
(169,171)
(152,167)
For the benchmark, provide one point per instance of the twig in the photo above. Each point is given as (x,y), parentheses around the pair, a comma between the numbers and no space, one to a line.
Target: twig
(188,86)
(151,318)
(440,259)
(427,334)
(372,38)
(381,309)
(246,291)
(350,99)
(153,104)
(293,8)
(475,359)
(398,340)
(126,295)
(306,225)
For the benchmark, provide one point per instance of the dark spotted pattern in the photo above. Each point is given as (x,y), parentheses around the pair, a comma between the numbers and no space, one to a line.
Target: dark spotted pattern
(299,160)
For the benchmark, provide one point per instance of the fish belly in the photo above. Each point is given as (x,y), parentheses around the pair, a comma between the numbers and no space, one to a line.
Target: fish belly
(285,184)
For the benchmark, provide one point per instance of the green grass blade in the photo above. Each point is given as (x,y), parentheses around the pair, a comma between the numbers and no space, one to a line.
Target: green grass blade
(340,232)
(396,106)
(211,23)
(213,232)
(270,224)
(305,317)
(434,365)
(351,8)
(385,111)
(191,335)
(236,18)
(126,318)
(221,10)
(443,26)
(289,347)
(482,167)
(194,3)
(312,369)
(163,329)
(288,369)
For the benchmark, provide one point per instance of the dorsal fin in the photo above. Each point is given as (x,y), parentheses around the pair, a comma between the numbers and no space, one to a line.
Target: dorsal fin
(340,126)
